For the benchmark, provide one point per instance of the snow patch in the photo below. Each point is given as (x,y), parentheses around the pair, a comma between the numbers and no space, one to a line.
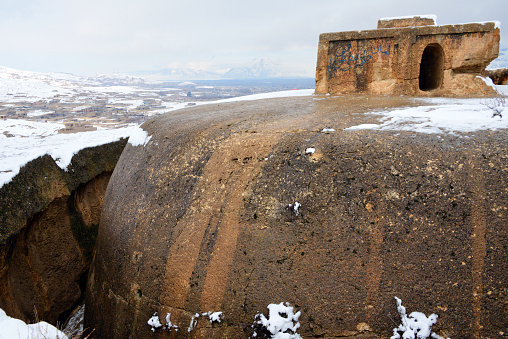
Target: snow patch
(38,113)
(417,325)
(169,324)
(442,115)
(215,317)
(11,328)
(488,81)
(295,207)
(139,137)
(270,95)
(281,323)
(362,126)
(193,322)
(154,322)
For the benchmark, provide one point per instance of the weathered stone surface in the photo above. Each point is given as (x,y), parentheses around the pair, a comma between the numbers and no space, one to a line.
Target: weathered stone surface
(48,225)
(199,220)
(406,22)
(498,76)
(424,60)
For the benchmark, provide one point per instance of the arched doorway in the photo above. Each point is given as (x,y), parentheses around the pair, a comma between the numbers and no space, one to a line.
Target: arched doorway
(431,68)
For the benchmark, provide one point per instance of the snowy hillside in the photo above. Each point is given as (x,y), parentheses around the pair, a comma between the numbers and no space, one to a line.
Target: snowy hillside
(18,86)
(66,79)
(53,79)
(26,89)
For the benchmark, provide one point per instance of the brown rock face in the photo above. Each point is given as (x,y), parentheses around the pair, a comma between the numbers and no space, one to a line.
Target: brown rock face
(422,60)
(49,221)
(498,76)
(203,219)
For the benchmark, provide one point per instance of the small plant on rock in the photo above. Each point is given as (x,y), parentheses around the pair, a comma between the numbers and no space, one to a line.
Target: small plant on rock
(496,104)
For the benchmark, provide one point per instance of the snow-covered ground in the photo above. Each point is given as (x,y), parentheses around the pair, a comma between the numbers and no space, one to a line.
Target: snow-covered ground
(442,115)
(11,328)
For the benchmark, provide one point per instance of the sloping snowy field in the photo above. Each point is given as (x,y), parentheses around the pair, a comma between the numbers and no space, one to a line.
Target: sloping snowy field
(22,141)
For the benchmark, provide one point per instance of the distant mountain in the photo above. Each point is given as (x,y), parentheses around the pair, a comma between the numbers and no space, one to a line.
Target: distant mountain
(254,69)
(116,79)
(18,81)
(257,68)
(177,74)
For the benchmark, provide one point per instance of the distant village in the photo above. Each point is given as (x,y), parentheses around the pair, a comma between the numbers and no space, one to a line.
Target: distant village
(115,106)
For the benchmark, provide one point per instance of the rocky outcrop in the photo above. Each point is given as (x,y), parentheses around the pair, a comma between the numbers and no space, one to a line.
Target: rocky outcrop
(48,225)
(227,208)
(498,76)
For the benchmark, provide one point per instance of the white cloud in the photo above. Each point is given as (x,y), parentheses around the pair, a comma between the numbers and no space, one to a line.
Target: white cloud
(99,35)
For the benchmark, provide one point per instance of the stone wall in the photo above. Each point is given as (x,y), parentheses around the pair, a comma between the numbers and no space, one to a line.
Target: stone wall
(390,61)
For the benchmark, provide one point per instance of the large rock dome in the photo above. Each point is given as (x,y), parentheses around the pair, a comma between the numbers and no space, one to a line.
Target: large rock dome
(232,207)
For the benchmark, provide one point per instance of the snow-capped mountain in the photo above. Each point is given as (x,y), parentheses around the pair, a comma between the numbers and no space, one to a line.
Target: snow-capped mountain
(257,68)
(254,69)
(178,74)
(116,79)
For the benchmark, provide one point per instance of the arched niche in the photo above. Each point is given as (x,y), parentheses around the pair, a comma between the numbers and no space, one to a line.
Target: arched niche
(431,68)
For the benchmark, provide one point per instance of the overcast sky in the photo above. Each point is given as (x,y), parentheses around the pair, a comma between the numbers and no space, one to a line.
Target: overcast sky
(105,36)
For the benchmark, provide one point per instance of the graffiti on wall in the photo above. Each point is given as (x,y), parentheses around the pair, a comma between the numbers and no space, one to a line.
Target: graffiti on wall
(346,58)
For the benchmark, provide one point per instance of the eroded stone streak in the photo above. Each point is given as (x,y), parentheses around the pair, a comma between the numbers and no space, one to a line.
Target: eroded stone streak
(479,228)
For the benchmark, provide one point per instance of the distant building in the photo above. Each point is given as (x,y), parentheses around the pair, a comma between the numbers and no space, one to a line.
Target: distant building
(74,127)
(409,55)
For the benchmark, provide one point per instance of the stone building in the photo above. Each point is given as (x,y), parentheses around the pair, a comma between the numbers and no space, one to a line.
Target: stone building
(410,56)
